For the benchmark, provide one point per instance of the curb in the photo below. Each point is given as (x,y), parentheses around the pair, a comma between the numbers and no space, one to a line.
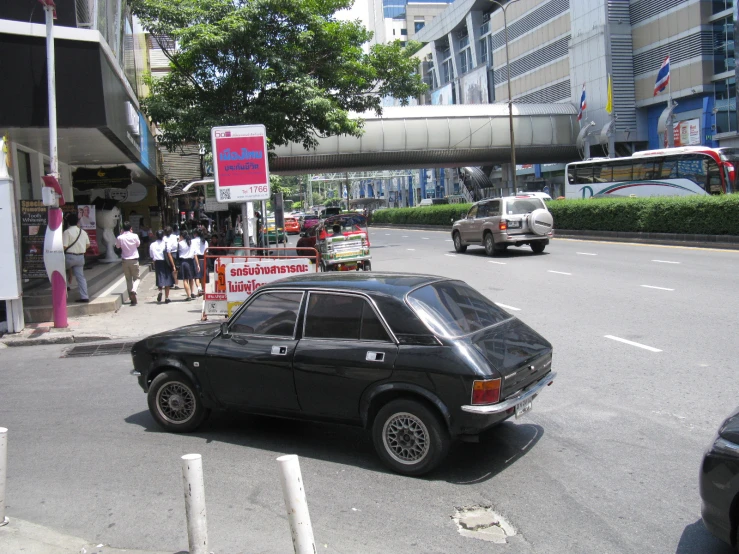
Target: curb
(725,242)
(60,339)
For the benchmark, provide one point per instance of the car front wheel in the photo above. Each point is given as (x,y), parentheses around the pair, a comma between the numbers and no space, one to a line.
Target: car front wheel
(458,246)
(174,402)
(409,438)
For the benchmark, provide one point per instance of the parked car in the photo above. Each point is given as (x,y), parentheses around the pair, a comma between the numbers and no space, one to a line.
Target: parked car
(433,202)
(292,226)
(498,223)
(719,483)
(332,210)
(418,360)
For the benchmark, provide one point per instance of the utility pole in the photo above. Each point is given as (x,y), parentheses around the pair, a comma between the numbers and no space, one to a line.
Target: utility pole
(52,193)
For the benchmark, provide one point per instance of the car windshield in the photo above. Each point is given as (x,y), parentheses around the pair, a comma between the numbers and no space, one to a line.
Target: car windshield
(520,206)
(453,308)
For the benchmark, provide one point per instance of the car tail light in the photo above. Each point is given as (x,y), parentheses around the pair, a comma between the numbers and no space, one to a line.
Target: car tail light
(485,392)
(503,225)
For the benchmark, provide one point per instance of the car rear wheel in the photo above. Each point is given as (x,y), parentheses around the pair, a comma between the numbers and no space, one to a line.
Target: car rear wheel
(458,246)
(409,438)
(489,242)
(538,247)
(174,402)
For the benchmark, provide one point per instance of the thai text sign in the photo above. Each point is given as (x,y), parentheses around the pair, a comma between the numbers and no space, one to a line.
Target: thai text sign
(243,279)
(240,165)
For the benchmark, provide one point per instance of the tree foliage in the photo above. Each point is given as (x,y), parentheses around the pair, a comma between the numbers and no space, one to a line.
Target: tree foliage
(289,64)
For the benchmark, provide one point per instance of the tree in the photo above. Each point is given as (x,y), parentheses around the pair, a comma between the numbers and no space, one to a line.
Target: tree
(289,64)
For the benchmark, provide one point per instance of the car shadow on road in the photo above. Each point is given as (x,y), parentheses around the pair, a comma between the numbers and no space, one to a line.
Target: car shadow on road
(697,540)
(510,253)
(467,463)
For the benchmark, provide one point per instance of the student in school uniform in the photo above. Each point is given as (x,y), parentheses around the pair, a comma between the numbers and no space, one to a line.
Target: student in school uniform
(189,264)
(163,266)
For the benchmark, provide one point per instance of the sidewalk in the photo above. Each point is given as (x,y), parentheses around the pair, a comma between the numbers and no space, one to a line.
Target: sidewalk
(21,537)
(129,322)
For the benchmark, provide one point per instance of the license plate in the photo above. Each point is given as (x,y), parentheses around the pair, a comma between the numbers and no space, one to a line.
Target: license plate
(523,407)
(514,224)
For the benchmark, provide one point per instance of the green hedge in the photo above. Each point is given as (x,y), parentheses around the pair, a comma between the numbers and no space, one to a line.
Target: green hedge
(701,215)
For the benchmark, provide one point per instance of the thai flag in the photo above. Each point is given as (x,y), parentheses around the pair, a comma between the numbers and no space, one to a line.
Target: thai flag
(663,76)
(583,103)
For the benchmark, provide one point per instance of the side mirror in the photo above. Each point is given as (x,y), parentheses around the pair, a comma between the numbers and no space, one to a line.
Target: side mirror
(224,330)
(303,234)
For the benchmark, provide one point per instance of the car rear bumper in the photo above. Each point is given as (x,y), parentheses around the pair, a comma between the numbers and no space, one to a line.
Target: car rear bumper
(508,238)
(719,487)
(529,393)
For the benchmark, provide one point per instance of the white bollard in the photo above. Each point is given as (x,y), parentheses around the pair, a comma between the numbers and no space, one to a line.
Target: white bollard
(197,523)
(293,492)
(3,466)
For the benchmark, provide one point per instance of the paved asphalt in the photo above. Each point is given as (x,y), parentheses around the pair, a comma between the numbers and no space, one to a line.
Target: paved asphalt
(607,461)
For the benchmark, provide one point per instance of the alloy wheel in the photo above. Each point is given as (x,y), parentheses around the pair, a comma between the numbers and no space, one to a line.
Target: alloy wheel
(406,438)
(175,402)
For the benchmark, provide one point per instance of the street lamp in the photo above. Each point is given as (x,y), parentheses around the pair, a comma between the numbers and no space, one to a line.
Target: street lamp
(504,7)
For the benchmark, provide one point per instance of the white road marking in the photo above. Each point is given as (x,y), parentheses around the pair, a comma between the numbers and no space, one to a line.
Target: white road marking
(586,254)
(387,234)
(665,262)
(559,272)
(424,238)
(499,263)
(451,255)
(507,307)
(632,343)
(412,249)
(658,288)
(449,240)
(405,236)
(112,287)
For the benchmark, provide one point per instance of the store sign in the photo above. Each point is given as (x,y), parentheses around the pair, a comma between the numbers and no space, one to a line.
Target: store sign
(86,216)
(240,164)
(9,281)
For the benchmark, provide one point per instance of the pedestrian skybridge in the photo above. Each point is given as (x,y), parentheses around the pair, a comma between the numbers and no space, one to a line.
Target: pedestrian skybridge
(441,136)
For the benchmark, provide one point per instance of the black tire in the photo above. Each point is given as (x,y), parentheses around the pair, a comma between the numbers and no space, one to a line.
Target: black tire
(458,246)
(489,242)
(174,402)
(406,454)
(538,247)
(368,266)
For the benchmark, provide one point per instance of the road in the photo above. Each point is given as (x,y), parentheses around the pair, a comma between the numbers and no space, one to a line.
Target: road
(606,462)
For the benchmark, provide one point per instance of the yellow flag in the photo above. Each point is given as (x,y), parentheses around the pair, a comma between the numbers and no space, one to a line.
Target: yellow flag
(609,102)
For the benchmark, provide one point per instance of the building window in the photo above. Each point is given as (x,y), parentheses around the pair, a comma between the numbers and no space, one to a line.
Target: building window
(718,6)
(484,50)
(485,28)
(464,42)
(465,61)
(447,71)
(404,32)
(725,106)
(723,45)
(418,25)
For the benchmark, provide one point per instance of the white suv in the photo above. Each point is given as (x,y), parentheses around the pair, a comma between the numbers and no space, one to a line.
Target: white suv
(497,223)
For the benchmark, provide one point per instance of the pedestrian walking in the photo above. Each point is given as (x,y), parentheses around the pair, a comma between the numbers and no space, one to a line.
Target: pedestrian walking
(196,256)
(203,246)
(129,243)
(163,266)
(189,264)
(76,242)
(173,240)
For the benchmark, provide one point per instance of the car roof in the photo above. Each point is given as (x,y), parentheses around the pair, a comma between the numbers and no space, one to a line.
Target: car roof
(393,284)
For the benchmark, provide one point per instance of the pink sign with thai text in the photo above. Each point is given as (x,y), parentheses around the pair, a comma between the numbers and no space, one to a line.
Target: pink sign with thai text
(240,164)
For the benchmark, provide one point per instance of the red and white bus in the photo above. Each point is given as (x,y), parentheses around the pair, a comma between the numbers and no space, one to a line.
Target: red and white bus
(665,172)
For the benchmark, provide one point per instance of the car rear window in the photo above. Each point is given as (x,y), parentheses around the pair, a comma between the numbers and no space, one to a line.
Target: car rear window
(453,308)
(521,206)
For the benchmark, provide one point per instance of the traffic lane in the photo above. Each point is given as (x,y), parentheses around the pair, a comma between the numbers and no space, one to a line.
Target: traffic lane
(121,477)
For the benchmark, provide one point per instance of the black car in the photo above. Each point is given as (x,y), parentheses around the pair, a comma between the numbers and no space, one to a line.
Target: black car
(419,360)
(719,483)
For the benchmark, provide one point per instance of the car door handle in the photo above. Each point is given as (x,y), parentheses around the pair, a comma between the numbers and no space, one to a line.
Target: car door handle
(375,356)
(279,350)
(239,340)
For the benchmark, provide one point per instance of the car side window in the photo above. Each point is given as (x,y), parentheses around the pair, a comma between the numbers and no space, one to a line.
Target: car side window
(472,213)
(493,208)
(273,314)
(482,211)
(339,316)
